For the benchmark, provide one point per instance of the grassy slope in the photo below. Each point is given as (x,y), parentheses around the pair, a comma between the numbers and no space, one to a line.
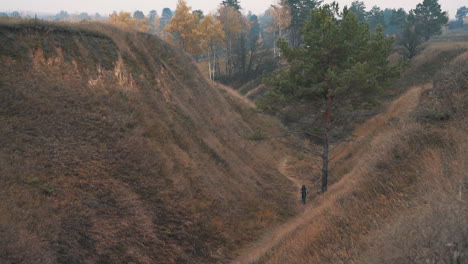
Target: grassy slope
(399,196)
(114,149)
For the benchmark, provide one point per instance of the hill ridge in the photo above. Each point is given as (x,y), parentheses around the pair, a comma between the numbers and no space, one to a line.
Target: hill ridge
(130,153)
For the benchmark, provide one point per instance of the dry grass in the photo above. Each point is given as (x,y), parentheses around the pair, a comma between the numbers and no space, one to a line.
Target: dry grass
(332,209)
(401,197)
(433,230)
(448,98)
(115,149)
(398,169)
(436,55)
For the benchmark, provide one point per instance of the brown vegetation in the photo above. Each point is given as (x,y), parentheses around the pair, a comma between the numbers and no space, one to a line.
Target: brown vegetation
(401,194)
(114,149)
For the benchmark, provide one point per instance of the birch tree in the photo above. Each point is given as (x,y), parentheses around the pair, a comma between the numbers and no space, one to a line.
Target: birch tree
(212,36)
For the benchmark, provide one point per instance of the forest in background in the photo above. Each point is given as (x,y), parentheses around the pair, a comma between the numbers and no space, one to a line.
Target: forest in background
(104,123)
(235,47)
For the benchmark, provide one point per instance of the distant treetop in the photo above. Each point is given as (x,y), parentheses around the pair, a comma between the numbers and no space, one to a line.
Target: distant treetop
(233,3)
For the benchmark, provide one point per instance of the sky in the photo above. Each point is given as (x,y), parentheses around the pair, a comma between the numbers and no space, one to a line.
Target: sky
(105,7)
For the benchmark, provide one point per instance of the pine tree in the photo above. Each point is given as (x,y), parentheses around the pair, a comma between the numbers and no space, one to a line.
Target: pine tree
(155,23)
(232,3)
(398,20)
(300,11)
(375,17)
(411,37)
(430,18)
(199,13)
(462,12)
(340,67)
(138,15)
(152,15)
(359,10)
(166,16)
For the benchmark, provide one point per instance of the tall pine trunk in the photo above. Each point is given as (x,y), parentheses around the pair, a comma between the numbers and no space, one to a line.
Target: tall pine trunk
(326,143)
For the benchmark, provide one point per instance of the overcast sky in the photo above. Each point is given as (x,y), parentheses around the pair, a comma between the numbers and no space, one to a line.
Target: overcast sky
(105,7)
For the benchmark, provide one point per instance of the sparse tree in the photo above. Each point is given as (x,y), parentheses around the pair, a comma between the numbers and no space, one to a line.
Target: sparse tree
(429,18)
(462,12)
(375,17)
(15,14)
(199,13)
(278,24)
(411,38)
(152,15)
(212,36)
(84,16)
(154,23)
(166,17)
(265,21)
(300,11)
(421,23)
(233,25)
(359,10)
(340,68)
(398,21)
(254,43)
(61,15)
(138,15)
(232,3)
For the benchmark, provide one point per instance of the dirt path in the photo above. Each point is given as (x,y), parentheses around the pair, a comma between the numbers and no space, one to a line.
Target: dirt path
(400,108)
(283,169)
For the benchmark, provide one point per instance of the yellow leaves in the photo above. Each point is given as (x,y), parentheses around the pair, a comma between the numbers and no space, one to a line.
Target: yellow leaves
(142,25)
(231,20)
(125,19)
(183,28)
(192,34)
(156,26)
(280,18)
(211,32)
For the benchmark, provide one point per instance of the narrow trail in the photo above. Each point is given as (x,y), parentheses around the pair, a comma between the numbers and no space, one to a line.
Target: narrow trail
(400,108)
(283,169)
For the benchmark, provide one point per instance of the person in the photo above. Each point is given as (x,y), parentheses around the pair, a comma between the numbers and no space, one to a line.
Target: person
(304,193)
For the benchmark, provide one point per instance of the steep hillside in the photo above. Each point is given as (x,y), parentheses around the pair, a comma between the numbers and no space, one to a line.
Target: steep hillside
(401,192)
(114,149)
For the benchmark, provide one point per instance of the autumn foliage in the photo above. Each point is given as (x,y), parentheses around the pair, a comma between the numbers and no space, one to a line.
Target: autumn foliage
(184,29)
(125,19)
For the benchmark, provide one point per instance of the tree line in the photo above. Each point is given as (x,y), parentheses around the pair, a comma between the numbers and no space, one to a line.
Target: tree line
(237,46)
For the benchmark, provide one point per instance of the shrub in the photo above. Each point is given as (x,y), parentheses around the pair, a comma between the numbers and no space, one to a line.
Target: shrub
(48,188)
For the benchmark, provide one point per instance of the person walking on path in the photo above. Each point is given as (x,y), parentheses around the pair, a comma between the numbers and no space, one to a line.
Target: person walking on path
(304,193)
